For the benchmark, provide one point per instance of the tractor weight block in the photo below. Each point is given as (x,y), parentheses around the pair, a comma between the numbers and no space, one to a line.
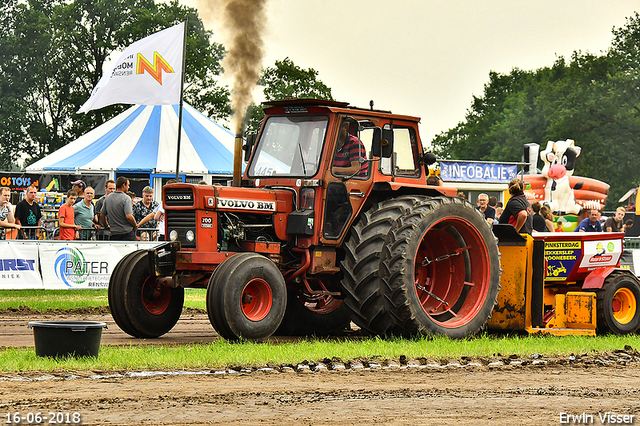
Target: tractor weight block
(163,258)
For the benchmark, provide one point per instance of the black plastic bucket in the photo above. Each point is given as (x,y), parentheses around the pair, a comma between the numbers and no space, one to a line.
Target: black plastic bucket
(67,338)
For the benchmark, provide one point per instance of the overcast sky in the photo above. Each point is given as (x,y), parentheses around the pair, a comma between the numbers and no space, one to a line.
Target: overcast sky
(427,58)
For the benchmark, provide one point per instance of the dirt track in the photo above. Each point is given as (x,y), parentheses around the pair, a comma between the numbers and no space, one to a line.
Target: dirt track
(398,392)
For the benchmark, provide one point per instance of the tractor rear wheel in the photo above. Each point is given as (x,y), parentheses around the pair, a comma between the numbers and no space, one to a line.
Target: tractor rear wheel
(246,297)
(363,287)
(441,269)
(617,304)
(313,314)
(139,304)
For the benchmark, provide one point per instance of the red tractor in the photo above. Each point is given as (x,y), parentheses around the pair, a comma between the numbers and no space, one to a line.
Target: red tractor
(333,222)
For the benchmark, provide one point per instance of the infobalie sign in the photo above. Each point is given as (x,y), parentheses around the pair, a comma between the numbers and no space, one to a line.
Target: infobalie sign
(470,171)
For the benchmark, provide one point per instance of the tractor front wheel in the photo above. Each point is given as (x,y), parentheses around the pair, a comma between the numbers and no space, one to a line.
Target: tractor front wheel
(617,304)
(139,304)
(246,297)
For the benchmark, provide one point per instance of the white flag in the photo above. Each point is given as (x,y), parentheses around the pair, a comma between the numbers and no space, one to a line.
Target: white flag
(149,72)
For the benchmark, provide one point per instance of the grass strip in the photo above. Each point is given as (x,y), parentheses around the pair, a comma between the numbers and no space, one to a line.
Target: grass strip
(44,300)
(223,354)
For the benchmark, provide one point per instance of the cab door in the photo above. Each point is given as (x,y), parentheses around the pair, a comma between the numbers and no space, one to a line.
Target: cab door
(348,178)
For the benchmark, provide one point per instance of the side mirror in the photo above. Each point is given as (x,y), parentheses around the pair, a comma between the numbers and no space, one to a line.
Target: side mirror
(382,143)
(248,147)
(428,158)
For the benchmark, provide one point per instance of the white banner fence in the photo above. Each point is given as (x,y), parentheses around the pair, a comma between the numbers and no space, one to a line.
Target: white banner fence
(62,264)
(52,265)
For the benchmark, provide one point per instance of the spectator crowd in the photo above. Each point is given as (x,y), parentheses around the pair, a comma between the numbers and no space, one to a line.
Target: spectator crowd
(117,215)
(536,217)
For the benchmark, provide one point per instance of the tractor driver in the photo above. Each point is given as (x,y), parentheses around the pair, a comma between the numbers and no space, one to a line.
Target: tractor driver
(349,150)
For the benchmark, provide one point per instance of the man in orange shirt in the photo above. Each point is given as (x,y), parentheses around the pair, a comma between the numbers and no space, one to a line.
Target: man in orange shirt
(66,217)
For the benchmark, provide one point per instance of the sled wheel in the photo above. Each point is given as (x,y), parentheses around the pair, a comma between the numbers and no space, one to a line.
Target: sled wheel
(313,314)
(149,309)
(246,297)
(363,289)
(617,304)
(441,268)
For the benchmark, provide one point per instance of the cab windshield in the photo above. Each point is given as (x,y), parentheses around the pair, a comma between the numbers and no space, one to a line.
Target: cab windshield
(289,146)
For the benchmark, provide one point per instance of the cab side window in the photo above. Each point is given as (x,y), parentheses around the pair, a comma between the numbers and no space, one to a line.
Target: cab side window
(404,154)
(350,155)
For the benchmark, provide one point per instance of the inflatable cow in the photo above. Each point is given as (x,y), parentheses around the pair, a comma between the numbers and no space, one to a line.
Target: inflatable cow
(559,161)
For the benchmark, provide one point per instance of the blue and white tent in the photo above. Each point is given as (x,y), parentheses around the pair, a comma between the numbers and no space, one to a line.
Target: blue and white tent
(144,139)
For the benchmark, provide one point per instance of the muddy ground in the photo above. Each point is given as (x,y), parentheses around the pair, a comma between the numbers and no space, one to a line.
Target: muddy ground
(404,391)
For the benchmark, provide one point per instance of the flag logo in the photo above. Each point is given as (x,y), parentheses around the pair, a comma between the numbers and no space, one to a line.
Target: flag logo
(124,81)
(155,70)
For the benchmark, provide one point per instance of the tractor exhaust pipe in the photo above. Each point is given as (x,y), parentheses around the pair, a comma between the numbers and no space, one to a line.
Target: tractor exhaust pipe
(237,161)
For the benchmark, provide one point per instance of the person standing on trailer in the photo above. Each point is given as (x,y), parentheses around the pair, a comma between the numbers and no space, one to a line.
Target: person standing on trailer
(517,212)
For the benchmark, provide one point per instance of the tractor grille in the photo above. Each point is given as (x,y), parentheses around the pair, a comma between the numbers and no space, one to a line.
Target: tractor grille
(182,197)
(182,221)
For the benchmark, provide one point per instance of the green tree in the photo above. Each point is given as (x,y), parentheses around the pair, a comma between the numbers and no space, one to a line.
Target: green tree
(593,99)
(14,87)
(53,52)
(287,81)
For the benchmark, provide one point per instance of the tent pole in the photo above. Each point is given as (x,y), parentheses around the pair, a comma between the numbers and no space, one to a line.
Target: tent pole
(184,54)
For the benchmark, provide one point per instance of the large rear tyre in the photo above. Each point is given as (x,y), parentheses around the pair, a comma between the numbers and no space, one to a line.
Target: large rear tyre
(441,269)
(246,297)
(139,304)
(363,287)
(313,314)
(617,304)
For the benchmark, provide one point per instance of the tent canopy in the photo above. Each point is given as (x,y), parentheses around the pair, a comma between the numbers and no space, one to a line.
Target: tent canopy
(144,139)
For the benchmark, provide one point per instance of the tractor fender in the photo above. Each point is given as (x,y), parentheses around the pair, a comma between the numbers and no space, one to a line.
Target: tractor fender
(595,279)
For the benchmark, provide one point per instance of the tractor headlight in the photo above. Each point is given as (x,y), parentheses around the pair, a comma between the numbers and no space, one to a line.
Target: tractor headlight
(173,235)
(190,236)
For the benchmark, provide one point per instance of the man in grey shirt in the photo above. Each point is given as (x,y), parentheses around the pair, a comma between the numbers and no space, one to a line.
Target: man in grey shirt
(109,187)
(117,206)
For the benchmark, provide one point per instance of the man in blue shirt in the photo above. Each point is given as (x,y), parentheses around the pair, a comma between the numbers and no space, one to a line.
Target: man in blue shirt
(591,223)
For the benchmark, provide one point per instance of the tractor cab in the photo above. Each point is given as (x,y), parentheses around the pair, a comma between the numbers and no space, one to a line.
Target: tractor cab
(335,159)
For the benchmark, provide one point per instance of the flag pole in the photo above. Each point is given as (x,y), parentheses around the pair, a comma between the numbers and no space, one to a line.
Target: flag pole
(184,54)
